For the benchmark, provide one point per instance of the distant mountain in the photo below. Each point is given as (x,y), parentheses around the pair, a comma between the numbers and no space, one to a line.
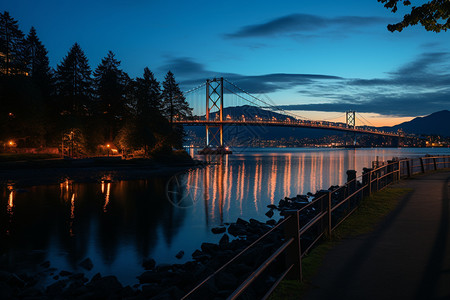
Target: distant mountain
(437,123)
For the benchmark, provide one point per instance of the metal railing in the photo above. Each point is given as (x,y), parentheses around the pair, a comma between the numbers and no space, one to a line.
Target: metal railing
(305,227)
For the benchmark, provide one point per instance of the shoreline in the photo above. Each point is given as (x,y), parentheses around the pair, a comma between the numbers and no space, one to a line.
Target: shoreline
(55,171)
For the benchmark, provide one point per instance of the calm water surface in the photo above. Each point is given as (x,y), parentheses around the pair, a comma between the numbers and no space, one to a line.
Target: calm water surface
(119,223)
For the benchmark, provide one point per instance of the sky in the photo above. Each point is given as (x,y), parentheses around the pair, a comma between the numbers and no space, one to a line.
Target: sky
(316,58)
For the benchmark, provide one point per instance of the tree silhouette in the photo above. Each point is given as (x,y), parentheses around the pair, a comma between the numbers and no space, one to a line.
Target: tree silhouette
(73,79)
(433,15)
(38,63)
(174,106)
(174,103)
(12,61)
(111,85)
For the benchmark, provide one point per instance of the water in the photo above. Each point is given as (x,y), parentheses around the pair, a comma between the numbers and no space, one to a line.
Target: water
(118,223)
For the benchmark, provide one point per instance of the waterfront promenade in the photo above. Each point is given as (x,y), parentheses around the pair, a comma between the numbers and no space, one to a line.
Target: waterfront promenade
(406,257)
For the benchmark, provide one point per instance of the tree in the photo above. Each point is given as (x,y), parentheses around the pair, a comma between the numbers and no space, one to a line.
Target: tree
(433,15)
(38,63)
(73,80)
(174,103)
(111,88)
(147,95)
(174,106)
(12,60)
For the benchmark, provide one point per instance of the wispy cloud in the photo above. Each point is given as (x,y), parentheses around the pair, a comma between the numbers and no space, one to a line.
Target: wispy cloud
(419,87)
(301,24)
(193,73)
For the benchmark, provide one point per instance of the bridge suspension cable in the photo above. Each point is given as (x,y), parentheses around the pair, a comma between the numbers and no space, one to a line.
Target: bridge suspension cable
(268,105)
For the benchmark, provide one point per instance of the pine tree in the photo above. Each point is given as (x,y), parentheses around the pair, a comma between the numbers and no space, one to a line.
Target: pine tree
(73,79)
(38,62)
(148,94)
(12,61)
(174,103)
(111,89)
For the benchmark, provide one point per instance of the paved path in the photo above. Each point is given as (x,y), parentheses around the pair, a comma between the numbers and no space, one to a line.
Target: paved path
(407,257)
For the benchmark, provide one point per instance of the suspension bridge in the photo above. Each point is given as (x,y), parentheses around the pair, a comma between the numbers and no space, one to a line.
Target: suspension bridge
(208,104)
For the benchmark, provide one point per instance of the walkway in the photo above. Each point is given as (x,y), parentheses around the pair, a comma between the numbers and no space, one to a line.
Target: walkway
(407,257)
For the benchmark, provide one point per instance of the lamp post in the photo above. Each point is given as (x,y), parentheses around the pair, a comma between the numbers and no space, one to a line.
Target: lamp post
(108,146)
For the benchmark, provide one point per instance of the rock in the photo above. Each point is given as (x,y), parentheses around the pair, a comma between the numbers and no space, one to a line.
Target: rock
(224,240)
(149,277)
(272,206)
(150,290)
(6,292)
(149,264)
(64,273)
(271,222)
(269,213)
(86,264)
(218,230)
(95,278)
(45,264)
(171,293)
(107,287)
(254,222)
(237,229)
(56,288)
(239,221)
(180,254)
(209,248)
(164,267)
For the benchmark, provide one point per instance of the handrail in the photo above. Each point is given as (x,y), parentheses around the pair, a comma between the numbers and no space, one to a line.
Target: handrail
(234,258)
(261,268)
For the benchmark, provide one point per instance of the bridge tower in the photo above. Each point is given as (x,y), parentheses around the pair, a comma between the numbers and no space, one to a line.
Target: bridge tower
(350,119)
(214,100)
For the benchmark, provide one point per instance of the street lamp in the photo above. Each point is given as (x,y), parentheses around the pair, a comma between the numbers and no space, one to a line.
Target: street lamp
(108,146)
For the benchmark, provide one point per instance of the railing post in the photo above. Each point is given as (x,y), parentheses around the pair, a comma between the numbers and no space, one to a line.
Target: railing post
(422,167)
(378,179)
(293,252)
(434,162)
(329,214)
(366,178)
(408,170)
(351,184)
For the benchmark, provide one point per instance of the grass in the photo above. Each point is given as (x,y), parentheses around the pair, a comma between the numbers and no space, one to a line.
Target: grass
(364,220)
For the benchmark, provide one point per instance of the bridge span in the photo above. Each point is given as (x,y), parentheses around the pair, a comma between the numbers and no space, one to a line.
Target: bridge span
(214,120)
(296,123)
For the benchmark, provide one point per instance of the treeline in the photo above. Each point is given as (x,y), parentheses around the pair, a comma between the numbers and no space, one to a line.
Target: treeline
(73,105)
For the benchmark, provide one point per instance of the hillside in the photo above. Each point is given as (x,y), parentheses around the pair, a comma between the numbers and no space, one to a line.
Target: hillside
(437,123)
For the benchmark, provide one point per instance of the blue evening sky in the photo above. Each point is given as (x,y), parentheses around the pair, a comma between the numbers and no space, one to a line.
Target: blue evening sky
(315,56)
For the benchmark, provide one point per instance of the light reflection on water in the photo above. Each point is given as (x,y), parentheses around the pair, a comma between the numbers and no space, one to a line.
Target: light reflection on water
(118,223)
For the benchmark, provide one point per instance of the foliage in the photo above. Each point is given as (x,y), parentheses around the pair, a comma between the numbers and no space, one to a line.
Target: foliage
(174,103)
(111,85)
(44,107)
(38,63)
(433,15)
(73,80)
(12,60)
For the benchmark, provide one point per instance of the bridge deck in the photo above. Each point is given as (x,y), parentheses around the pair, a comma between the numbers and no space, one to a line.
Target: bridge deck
(313,125)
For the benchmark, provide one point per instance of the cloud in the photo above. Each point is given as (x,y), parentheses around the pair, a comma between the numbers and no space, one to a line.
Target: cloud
(419,87)
(193,74)
(405,105)
(302,23)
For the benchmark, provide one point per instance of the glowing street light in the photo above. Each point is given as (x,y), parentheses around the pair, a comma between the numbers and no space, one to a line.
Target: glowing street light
(108,146)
